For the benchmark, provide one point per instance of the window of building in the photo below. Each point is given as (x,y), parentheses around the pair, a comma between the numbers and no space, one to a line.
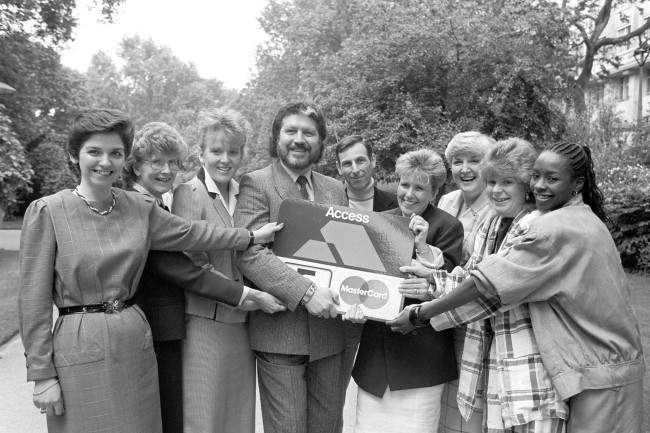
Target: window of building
(622,32)
(623,88)
(647,84)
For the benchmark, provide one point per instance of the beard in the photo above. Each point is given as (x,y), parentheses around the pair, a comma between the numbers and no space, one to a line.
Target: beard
(295,163)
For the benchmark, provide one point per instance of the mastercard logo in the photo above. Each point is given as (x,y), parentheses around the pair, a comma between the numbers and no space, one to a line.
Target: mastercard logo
(372,294)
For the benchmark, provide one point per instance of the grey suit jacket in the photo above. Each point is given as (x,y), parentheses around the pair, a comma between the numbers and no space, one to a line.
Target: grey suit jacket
(294,331)
(192,202)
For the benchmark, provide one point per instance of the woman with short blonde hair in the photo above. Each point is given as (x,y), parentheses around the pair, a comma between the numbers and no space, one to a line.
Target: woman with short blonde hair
(469,203)
(401,377)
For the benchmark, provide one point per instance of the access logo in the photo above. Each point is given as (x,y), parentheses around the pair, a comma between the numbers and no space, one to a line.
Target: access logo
(371,294)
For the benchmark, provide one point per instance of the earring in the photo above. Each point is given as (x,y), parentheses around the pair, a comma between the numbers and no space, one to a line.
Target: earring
(574,193)
(530,198)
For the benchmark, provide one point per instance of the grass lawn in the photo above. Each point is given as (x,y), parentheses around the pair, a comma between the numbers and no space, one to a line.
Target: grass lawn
(8,294)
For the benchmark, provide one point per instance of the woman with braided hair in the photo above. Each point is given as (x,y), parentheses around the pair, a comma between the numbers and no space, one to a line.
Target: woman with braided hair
(566,267)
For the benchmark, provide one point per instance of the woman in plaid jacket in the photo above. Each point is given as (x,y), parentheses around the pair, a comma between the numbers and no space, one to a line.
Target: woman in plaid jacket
(566,267)
(501,371)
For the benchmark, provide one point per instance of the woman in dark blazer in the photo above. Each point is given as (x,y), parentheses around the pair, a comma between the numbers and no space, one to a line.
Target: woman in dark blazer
(150,169)
(400,377)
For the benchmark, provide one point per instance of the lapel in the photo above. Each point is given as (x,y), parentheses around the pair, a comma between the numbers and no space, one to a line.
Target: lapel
(283,183)
(216,201)
(322,194)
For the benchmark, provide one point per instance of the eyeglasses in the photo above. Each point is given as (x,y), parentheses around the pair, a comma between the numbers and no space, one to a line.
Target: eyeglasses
(159,164)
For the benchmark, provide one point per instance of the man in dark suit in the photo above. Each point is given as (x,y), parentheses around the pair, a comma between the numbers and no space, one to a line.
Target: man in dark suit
(300,365)
(355,161)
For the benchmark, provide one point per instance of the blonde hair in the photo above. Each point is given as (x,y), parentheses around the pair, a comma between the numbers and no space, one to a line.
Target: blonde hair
(425,162)
(224,119)
(469,142)
(152,138)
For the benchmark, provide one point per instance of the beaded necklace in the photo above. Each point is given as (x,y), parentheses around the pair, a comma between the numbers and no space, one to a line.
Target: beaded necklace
(93,208)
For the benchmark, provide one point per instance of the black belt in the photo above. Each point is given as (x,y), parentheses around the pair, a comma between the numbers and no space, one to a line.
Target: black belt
(108,307)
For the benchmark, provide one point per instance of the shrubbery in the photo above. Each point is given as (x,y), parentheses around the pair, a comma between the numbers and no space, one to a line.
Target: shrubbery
(51,170)
(622,165)
(15,171)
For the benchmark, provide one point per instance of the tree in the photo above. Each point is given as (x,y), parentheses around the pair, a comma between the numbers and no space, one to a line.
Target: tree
(49,21)
(153,85)
(46,94)
(411,73)
(49,162)
(590,19)
(15,171)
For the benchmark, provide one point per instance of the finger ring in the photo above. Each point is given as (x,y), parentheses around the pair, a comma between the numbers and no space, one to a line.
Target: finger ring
(43,410)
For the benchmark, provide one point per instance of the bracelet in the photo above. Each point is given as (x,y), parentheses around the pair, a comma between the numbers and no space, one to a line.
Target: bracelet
(251,239)
(414,317)
(41,392)
(308,294)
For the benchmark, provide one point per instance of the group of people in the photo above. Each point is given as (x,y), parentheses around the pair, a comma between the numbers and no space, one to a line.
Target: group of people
(170,300)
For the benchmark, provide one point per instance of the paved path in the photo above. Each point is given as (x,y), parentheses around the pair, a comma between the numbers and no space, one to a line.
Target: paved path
(9,240)
(18,414)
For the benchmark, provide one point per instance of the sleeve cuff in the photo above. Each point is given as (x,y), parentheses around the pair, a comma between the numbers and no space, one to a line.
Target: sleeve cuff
(244,295)
(484,287)
(244,239)
(432,258)
(442,321)
(34,374)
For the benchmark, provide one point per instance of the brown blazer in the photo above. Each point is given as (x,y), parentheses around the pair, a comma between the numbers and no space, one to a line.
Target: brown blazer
(191,201)
(294,331)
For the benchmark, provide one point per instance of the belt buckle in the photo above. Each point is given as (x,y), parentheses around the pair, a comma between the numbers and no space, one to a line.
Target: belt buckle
(114,306)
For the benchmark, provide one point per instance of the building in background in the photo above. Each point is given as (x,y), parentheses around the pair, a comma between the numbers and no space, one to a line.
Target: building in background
(625,86)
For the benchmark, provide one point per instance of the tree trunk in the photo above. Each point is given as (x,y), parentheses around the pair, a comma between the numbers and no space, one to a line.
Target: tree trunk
(578,100)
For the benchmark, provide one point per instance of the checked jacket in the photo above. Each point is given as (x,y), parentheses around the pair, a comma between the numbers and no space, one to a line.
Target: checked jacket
(501,363)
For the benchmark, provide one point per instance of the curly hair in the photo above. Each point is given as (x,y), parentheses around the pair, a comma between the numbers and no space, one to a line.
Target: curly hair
(424,162)
(511,157)
(153,138)
(468,142)
(296,108)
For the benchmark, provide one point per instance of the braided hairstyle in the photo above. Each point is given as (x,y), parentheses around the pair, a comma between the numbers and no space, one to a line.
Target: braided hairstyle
(581,164)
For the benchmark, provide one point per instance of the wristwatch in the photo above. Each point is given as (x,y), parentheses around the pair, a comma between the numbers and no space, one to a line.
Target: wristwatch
(308,294)
(414,317)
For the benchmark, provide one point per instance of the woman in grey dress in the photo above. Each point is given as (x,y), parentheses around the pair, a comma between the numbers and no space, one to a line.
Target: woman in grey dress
(84,250)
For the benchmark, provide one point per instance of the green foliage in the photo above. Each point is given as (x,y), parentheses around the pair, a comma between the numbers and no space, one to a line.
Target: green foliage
(46,91)
(623,177)
(31,32)
(153,85)
(48,20)
(50,164)
(15,170)
(411,73)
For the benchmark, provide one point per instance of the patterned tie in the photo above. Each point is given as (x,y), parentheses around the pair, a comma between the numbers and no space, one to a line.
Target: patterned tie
(302,184)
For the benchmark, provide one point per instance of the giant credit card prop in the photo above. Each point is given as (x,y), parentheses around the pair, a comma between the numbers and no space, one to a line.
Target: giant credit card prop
(358,253)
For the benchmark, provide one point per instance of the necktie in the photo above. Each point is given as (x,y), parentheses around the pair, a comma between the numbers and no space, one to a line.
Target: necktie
(302,184)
